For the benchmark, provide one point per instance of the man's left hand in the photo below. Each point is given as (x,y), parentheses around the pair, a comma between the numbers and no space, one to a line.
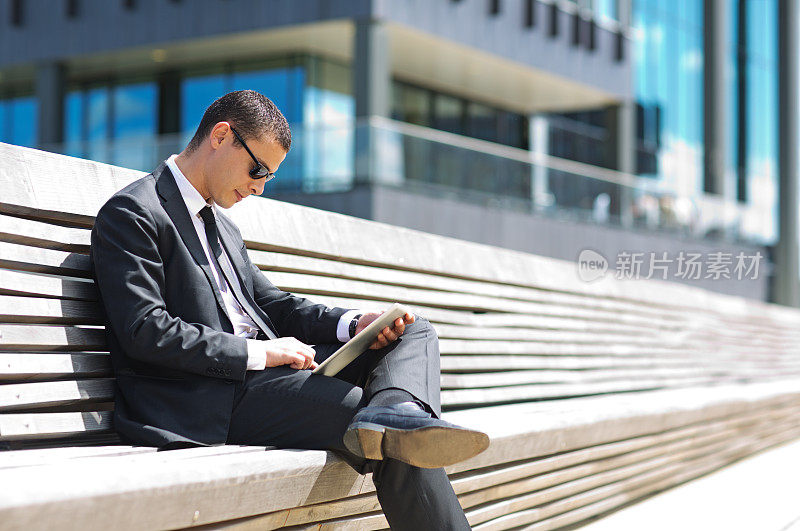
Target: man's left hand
(388,334)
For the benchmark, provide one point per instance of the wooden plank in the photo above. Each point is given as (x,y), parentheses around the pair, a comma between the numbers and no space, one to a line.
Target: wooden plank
(37,260)
(282,231)
(456,346)
(508,378)
(759,337)
(635,494)
(45,235)
(499,320)
(16,366)
(16,283)
(182,491)
(674,351)
(21,426)
(583,492)
(472,489)
(643,337)
(172,491)
(521,393)
(620,465)
(49,311)
(667,466)
(40,394)
(310,285)
(50,456)
(564,425)
(539,362)
(503,378)
(515,321)
(289,263)
(473,480)
(32,337)
(83,186)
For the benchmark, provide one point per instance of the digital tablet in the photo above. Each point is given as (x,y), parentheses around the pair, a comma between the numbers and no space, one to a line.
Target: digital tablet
(361,342)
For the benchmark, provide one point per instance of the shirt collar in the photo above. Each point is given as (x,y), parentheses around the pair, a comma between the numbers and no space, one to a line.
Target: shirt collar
(194,201)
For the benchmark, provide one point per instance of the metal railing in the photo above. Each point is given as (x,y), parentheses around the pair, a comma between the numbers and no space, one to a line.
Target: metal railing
(389,153)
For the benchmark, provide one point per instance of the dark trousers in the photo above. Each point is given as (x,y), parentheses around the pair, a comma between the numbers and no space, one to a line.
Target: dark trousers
(287,408)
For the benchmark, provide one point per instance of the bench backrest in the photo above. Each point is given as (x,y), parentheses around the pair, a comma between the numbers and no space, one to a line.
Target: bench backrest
(514,327)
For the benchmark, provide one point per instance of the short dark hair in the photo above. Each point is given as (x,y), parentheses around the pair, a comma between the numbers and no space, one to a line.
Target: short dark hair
(251,113)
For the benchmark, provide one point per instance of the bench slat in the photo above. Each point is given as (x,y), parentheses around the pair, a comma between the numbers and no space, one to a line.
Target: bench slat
(307,284)
(16,283)
(48,311)
(690,472)
(17,366)
(45,235)
(41,394)
(523,509)
(288,263)
(20,426)
(32,337)
(37,260)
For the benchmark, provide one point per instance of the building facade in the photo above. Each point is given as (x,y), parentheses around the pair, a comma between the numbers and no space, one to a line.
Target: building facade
(547,126)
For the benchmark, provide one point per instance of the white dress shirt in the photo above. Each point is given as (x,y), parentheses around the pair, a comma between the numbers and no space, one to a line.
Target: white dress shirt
(243,325)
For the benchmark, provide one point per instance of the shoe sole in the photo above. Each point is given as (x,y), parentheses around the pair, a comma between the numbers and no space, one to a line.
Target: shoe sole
(430,447)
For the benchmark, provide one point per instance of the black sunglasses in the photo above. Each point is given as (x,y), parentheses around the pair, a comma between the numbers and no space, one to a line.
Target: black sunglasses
(260,170)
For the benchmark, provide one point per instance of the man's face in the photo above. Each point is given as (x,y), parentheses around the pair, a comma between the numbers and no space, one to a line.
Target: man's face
(228,180)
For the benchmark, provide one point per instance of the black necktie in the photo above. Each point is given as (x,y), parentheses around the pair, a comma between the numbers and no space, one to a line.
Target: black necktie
(216,252)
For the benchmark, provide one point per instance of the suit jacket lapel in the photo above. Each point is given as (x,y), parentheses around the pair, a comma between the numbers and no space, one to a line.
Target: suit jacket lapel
(175,207)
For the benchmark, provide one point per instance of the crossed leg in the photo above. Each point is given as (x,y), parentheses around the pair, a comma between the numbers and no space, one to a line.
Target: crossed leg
(287,408)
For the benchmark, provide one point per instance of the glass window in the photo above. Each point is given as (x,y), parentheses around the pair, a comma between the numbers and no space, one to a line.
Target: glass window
(668,66)
(411,104)
(197,93)
(5,122)
(607,9)
(761,118)
(135,111)
(326,161)
(482,122)
(19,121)
(448,113)
(116,124)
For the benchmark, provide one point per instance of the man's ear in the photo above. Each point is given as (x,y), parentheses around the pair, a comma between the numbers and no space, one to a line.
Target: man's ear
(218,134)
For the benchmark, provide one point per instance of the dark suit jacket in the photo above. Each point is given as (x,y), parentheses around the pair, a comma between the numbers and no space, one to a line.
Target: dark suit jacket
(172,349)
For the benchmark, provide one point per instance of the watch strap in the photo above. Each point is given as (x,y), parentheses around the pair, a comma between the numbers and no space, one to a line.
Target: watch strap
(353,325)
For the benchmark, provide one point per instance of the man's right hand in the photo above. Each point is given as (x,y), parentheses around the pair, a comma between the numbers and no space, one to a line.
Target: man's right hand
(289,351)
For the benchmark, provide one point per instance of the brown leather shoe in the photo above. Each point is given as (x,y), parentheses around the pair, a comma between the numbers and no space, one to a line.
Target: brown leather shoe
(407,433)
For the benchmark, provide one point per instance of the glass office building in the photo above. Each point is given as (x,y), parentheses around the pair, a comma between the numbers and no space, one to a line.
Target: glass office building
(590,111)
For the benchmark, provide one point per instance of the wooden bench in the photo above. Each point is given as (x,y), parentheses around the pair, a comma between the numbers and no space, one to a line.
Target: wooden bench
(594,394)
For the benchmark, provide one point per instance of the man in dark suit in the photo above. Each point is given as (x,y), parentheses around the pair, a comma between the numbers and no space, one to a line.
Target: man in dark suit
(207,351)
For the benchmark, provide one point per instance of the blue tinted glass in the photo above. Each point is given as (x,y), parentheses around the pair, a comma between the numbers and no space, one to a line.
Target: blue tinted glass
(73,117)
(733,91)
(5,122)
(24,118)
(284,86)
(668,65)
(74,111)
(135,111)
(606,9)
(97,126)
(197,93)
(762,114)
